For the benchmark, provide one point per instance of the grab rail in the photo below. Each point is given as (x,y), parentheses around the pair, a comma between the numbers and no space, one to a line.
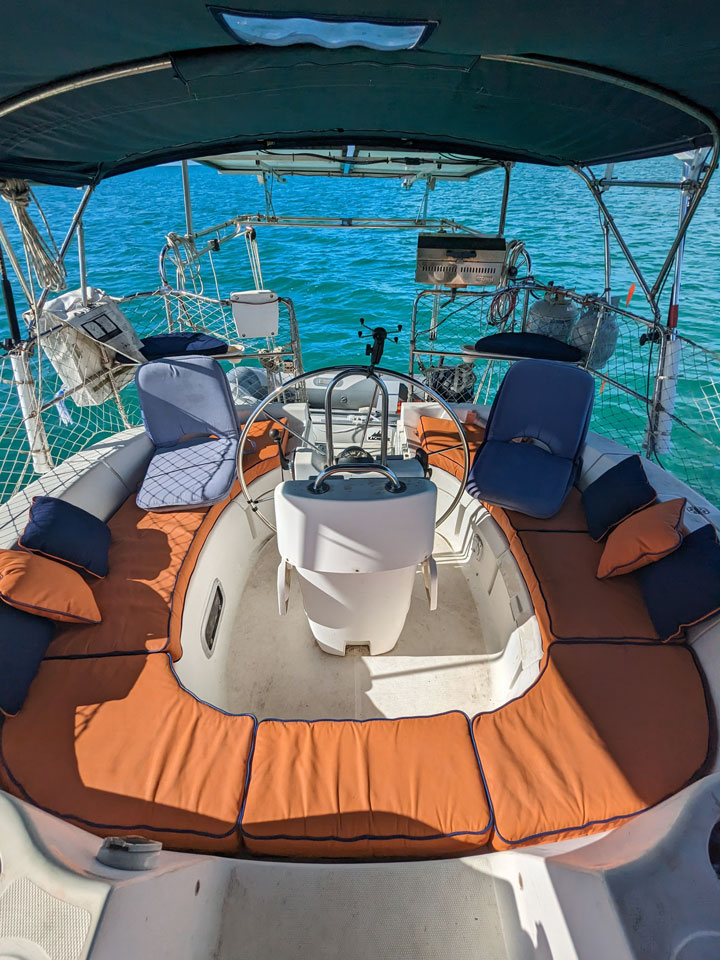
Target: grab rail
(370,375)
(393,486)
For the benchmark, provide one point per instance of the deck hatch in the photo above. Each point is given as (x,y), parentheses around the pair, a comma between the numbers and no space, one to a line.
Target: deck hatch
(332,33)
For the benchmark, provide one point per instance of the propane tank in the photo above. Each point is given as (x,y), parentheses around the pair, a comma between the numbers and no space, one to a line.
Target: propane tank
(553,316)
(605,339)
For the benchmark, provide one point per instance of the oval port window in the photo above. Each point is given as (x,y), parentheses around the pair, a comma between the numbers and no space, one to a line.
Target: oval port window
(213,616)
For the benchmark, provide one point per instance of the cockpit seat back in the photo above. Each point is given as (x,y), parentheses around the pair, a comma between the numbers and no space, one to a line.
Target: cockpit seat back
(535,433)
(189,415)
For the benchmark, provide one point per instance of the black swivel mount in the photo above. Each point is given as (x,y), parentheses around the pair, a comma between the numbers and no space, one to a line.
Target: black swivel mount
(379,335)
(278,438)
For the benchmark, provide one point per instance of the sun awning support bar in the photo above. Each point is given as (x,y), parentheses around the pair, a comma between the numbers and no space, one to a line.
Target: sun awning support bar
(607,182)
(654,93)
(14,262)
(692,174)
(82,263)
(607,257)
(689,213)
(505,198)
(186,197)
(608,221)
(81,80)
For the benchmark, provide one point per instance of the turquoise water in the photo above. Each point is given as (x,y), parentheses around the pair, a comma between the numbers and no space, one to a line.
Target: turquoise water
(337,276)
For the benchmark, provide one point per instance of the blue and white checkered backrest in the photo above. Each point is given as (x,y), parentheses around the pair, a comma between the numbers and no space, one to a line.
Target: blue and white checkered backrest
(184,397)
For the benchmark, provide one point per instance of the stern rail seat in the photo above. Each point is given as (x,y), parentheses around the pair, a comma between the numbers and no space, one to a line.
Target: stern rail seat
(558,561)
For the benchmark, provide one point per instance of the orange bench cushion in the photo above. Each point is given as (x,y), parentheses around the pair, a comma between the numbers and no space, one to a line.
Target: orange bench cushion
(607,730)
(569,519)
(378,788)
(152,557)
(436,433)
(117,746)
(560,570)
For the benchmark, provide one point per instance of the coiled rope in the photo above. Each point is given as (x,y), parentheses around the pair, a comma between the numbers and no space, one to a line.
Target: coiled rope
(42,256)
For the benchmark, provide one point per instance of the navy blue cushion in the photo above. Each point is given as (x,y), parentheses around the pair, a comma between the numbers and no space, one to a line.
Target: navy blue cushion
(617,494)
(534,437)
(533,345)
(24,638)
(684,587)
(64,532)
(501,472)
(189,343)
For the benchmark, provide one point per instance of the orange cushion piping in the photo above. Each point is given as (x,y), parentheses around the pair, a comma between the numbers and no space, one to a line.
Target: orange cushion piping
(684,626)
(627,516)
(51,556)
(67,591)
(47,612)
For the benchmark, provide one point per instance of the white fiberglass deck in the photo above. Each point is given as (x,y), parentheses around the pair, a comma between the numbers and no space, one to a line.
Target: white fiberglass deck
(277,669)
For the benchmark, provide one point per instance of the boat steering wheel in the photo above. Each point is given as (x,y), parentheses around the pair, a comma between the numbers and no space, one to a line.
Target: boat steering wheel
(352,462)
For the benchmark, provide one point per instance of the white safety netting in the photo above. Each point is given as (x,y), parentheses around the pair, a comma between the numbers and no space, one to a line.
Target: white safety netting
(67,387)
(622,351)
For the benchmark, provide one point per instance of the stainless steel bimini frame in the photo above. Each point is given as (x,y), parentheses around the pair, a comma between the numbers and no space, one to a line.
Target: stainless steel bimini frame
(655,93)
(232,229)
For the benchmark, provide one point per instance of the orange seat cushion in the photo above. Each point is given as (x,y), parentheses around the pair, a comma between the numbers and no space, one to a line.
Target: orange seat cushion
(570,518)
(440,439)
(147,554)
(606,731)
(643,538)
(560,570)
(378,788)
(48,589)
(152,557)
(115,745)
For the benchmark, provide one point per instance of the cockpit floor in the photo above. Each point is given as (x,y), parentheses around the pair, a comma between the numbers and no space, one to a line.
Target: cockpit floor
(278,670)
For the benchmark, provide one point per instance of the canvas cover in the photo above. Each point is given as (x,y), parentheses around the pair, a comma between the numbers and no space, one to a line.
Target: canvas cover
(456,92)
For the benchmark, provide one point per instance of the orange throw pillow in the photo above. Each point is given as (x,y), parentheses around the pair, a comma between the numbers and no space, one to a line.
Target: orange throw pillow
(48,589)
(643,538)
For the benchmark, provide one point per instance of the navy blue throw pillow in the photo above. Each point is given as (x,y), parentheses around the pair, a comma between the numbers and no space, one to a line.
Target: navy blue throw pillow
(67,533)
(683,588)
(189,343)
(616,495)
(24,638)
(534,345)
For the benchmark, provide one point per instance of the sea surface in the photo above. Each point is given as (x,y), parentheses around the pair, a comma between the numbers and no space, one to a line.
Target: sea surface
(337,276)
